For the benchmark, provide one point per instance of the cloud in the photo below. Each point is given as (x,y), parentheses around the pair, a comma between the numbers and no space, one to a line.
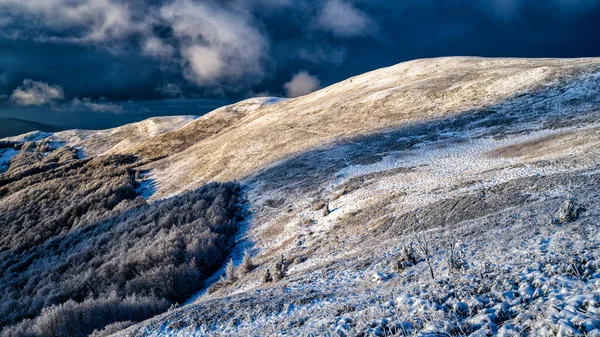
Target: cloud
(67,20)
(302,83)
(157,48)
(342,19)
(88,104)
(212,44)
(171,90)
(36,93)
(217,44)
(120,49)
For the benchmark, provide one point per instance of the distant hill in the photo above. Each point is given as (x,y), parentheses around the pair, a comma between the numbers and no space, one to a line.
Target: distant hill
(13,126)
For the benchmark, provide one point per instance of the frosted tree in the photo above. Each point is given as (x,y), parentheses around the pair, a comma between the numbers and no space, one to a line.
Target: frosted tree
(280,269)
(247,263)
(230,272)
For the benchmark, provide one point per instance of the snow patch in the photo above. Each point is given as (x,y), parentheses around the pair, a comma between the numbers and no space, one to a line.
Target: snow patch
(5,156)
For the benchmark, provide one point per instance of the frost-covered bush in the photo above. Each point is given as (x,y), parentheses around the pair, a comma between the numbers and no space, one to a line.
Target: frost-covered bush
(280,269)
(111,329)
(81,319)
(247,263)
(407,258)
(326,209)
(230,272)
(454,258)
(569,211)
(267,277)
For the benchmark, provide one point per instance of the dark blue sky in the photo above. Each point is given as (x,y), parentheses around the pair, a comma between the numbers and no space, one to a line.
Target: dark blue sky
(98,63)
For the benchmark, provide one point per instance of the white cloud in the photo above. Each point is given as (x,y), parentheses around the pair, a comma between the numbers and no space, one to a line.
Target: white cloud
(217,44)
(36,93)
(88,104)
(342,19)
(302,83)
(157,48)
(204,64)
(84,20)
(213,44)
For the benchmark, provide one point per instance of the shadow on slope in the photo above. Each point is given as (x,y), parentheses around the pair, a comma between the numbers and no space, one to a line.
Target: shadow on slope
(322,172)
(304,180)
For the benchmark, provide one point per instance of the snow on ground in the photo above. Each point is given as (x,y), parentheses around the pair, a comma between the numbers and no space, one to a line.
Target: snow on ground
(520,273)
(146,188)
(5,157)
(470,157)
(499,291)
(32,136)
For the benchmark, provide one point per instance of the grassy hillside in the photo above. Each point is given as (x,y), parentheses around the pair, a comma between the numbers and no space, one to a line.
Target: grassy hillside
(451,196)
(12,127)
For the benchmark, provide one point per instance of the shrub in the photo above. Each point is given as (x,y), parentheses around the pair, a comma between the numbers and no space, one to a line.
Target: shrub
(455,259)
(569,211)
(267,277)
(407,258)
(230,272)
(247,264)
(81,319)
(112,328)
(221,283)
(326,209)
(318,204)
(280,269)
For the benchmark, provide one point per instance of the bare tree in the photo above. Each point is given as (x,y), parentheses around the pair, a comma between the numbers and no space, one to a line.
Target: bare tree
(424,248)
(455,260)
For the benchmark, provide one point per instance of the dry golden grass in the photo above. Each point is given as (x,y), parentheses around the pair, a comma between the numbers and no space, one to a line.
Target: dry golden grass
(552,145)
(384,99)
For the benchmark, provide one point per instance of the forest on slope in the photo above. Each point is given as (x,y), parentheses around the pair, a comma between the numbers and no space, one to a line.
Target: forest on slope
(80,249)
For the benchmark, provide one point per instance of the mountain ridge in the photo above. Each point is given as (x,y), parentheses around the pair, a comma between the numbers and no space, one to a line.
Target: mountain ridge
(14,127)
(453,196)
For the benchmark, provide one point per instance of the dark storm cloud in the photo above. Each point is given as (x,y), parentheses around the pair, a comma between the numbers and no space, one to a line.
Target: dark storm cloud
(100,51)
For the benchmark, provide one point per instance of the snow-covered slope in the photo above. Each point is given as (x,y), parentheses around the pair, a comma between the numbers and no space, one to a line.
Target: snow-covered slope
(123,139)
(438,197)
(384,99)
(473,154)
